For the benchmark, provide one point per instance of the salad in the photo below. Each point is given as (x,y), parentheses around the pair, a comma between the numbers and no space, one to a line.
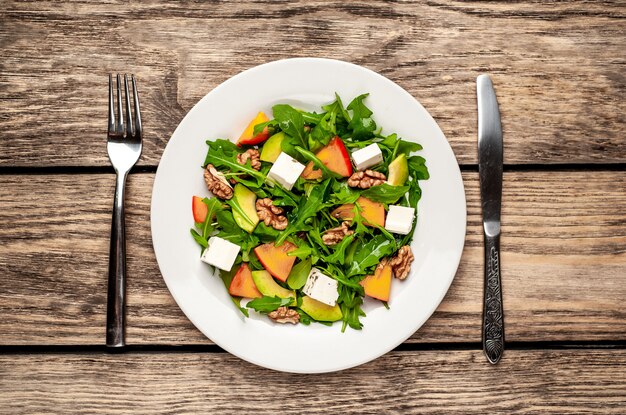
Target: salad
(311,213)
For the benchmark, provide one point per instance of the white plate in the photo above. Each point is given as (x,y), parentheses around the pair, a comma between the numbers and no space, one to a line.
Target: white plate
(223,113)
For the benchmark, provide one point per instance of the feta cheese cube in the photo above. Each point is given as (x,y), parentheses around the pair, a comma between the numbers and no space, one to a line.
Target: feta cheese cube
(285,171)
(400,219)
(220,253)
(321,287)
(367,157)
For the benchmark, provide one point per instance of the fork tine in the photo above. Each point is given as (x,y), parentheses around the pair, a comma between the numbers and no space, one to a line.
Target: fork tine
(129,121)
(138,128)
(119,126)
(111,106)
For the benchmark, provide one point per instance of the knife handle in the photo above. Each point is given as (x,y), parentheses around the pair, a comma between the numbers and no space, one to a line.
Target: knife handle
(493,313)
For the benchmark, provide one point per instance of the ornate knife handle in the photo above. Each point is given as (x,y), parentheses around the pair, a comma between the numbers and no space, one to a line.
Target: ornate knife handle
(493,314)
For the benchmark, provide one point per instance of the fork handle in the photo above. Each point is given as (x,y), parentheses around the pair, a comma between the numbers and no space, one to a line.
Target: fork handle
(493,313)
(116,300)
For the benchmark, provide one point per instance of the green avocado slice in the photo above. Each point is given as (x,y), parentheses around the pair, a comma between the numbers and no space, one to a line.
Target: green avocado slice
(272,148)
(244,209)
(267,286)
(320,311)
(398,171)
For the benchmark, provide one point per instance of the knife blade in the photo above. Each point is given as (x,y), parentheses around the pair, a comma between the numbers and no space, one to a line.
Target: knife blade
(490,173)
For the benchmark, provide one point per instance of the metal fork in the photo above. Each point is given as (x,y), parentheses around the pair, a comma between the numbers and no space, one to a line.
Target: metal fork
(124,148)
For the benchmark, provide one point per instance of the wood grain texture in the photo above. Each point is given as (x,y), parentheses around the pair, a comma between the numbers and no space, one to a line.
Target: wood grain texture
(558,68)
(563,262)
(454,382)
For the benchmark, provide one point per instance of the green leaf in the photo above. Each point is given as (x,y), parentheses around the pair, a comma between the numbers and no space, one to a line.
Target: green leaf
(213,205)
(417,167)
(301,252)
(385,193)
(343,194)
(291,121)
(339,254)
(299,274)
(362,125)
(229,228)
(337,107)
(318,163)
(307,208)
(265,233)
(267,304)
(408,147)
(199,239)
(282,197)
(271,126)
(223,158)
(370,254)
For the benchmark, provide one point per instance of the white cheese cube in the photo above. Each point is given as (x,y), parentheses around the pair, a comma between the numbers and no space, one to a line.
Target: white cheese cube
(400,219)
(285,171)
(367,157)
(220,253)
(321,287)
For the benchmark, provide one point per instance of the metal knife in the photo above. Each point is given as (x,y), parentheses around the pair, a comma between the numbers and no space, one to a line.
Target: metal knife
(490,172)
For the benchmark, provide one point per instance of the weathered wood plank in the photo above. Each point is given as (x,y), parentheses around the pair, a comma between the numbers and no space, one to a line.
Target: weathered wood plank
(558,68)
(563,262)
(547,382)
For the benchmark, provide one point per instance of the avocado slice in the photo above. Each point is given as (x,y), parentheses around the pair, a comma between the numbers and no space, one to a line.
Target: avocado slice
(320,311)
(272,147)
(398,171)
(244,209)
(267,286)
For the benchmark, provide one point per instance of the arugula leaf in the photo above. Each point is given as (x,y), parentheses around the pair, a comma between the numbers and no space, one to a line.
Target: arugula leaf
(408,147)
(291,121)
(385,193)
(350,304)
(337,107)
(415,192)
(370,254)
(343,194)
(265,233)
(213,205)
(417,167)
(282,197)
(304,317)
(301,252)
(339,255)
(271,127)
(299,274)
(393,142)
(318,163)
(225,157)
(229,228)
(326,128)
(267,304)
(363,126)
(307,208)
(311,117)
(199,239)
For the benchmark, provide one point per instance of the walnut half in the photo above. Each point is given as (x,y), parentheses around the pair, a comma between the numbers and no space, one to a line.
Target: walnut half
(252,155)
(401,263)
(284,315)
(217,183)
(335,235)
(366,179)
(272,215)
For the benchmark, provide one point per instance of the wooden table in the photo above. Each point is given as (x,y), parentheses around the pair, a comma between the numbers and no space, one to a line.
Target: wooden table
(559,71)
